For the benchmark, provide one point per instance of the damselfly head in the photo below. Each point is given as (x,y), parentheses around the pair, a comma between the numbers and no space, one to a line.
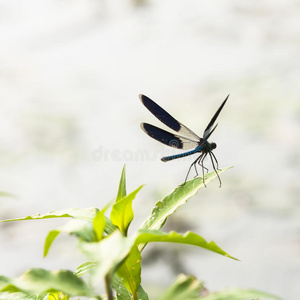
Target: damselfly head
(213,146)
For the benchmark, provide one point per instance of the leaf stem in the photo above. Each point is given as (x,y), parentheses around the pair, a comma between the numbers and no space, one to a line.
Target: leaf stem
(108,288)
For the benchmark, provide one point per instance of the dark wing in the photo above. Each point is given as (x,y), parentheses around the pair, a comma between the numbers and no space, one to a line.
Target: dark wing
(209,129)
(168,138)
(167,119)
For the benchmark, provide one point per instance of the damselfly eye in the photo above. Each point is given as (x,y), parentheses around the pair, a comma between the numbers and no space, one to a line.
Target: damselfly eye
(213,146)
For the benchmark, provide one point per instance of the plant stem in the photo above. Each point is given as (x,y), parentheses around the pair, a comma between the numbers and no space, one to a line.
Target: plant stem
(108,288)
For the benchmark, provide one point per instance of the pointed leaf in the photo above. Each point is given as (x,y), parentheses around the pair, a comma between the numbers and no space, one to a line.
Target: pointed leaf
(49,240)
(122,213)
(178,197)
(122,186)
(76,213)
(189,238)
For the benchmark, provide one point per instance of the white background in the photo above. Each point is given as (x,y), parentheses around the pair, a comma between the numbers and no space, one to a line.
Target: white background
(70,75)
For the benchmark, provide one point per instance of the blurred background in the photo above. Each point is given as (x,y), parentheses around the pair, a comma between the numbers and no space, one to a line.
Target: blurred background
(70,75)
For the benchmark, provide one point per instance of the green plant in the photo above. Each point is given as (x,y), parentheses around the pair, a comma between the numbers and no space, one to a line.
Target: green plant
(115,257)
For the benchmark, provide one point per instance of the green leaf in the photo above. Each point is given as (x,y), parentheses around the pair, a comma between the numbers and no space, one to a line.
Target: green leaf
(99,225)
(76,213)
(109,227)
(80,228)
(84,268)
(108,254)
(40,281)
(184,288)
(18,296)
(178,197)
(49,240)
(121,292)
(122,213)
(4,281)
(56,296)
(239,294)
(9,195)
(189,238)
(122,186)
(130,271)
(142,295)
